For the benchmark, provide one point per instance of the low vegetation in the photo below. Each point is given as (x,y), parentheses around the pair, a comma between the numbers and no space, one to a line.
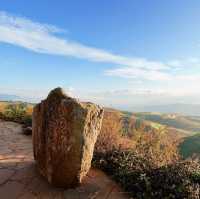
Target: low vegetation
(147,165)
(144,180)
(17,112)
(141,156)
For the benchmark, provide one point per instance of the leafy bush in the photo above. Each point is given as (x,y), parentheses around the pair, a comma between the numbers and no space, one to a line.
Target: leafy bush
(17,112)
(142,180)
(27,120)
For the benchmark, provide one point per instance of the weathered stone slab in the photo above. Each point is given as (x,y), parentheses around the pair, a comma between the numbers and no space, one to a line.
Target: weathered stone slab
(64,135)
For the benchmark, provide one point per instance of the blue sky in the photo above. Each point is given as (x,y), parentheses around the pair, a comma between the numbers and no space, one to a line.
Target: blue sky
(115,53)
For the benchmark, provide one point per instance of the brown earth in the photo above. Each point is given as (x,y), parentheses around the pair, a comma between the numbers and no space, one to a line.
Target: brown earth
(20,180)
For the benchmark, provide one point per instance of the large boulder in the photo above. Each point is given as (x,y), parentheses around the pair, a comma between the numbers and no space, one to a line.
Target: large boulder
(64,135)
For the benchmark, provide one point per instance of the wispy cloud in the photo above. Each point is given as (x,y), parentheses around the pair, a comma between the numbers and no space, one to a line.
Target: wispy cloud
(178,71)
(170,77)
(136,73)
(44,38)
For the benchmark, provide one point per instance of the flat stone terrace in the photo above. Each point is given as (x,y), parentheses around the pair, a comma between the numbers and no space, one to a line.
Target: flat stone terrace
(19,178)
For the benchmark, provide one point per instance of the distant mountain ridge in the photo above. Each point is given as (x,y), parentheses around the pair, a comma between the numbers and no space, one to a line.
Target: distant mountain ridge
(184,109)
(18,98)
(9,97)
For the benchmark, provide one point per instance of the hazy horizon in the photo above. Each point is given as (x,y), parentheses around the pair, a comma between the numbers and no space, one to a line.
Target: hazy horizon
(178,108)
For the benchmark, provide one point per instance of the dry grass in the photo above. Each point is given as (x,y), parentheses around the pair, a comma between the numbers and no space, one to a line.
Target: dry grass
(3,106)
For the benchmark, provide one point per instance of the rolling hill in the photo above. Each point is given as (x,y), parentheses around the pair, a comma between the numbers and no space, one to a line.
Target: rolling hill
(188,124)
(126,123)
(178,127)
(190,146)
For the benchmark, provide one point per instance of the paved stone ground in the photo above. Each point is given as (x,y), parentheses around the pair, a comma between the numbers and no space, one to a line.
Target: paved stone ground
(19,178)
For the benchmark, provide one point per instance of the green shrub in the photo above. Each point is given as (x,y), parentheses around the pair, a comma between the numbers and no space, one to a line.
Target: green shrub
(138,176)
(196,177)
(17,112)
(27,120)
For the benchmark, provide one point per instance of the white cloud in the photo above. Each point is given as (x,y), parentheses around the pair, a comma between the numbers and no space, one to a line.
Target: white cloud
(181,72)
(136,73)
(169,79)
(26,24)
(41,38)
(178,69)
(187,62)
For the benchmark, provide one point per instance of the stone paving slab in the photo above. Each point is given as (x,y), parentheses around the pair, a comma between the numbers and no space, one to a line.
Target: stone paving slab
(19,178)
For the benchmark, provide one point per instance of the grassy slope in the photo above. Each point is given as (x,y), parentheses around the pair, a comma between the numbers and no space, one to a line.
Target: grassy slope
(126,121)
(190,146)
(188,124)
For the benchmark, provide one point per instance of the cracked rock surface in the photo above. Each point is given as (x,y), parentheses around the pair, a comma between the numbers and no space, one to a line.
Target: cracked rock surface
(20,180)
